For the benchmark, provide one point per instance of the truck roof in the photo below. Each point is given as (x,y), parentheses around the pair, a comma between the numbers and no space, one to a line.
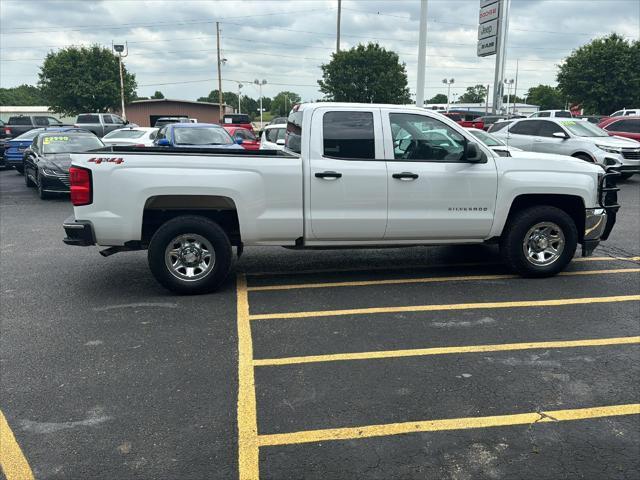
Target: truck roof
(313,106)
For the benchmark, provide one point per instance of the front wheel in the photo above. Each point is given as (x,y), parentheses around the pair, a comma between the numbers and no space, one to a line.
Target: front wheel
(539,241)
(190,255)
(44,195)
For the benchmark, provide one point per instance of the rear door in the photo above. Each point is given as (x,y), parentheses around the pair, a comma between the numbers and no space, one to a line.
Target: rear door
(521,134)
(434,194)
(348,175)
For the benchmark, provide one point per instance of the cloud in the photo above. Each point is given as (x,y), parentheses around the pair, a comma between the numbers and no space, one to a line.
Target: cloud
(286,41)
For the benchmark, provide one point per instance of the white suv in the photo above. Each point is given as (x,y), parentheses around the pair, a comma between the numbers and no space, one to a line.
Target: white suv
(626,112)
(552,113)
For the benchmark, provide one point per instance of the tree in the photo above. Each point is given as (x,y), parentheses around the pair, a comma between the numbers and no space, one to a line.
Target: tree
(157,95)
(84,79)
(546,97)
(602,76)
(27,95)
(438,98)
(281,104)
(366,74)
(230,98)
(474,94)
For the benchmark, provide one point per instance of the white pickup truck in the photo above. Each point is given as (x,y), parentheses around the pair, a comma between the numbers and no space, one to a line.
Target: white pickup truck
(351,175)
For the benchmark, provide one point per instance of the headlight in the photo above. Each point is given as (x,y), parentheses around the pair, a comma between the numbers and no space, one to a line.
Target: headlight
(49,172)
(609,149)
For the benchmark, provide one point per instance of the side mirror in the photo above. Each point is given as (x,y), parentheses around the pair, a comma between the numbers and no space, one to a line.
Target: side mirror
(280,141)
(561,135)
(164,142)
(238,141)
(473,153)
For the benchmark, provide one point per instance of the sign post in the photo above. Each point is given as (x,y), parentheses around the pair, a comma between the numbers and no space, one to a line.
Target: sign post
(493,24)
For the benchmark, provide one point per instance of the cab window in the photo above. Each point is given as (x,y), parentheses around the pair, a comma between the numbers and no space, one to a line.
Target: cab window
(348,135)
(544,114)
(420,138)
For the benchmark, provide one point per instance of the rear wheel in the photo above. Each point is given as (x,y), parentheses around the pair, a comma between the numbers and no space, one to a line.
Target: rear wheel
(190,255)
(539,241)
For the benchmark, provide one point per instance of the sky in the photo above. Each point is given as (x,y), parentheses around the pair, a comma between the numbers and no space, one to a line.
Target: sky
(172,44)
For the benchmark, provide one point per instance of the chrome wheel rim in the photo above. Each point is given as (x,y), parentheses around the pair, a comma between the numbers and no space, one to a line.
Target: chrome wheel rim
(543,244)
(190,257)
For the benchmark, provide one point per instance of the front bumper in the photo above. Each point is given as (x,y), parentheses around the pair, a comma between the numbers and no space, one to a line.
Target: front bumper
(595,224)
(79,232)
(55,183)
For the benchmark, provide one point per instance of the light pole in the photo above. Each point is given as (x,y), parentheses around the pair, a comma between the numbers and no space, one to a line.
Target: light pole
(239,94)
(119,49)
(260,84)
(508,83)
(448,84)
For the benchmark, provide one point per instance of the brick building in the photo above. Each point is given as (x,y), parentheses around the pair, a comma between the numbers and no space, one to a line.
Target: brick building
(146,112)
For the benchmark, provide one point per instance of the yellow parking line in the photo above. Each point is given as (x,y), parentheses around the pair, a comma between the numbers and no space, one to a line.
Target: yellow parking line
(399,281)
(409,267)
(247,415)
(368,431)
(13,463)
(416,352)
(454,306)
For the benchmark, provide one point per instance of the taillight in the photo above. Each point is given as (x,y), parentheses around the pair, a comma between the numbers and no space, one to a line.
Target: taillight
(7,131)
(81,193)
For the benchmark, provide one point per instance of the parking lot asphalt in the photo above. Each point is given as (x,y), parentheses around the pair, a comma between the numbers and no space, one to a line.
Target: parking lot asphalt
(382,364)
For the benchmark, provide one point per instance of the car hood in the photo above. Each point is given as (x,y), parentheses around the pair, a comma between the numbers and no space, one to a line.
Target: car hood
(616,142)
(59,161)
(547,162)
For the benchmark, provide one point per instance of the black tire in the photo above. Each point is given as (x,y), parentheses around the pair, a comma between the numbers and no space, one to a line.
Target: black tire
(19,169)
(28,182)
(625,176)
(41,193)
(189,225)
(584,156)
(517,229)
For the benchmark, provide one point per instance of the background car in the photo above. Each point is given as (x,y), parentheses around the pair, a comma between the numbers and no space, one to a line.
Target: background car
(273,137)
(278,120)
(576,138)
(249,140)
(627,126)
(19,124)
(162,121)
(551,114)
(489,120)
(626,112)
(47,160)
(14,149)
(100,123)
(492,142)
(185,135)
(136,136)
(237,120)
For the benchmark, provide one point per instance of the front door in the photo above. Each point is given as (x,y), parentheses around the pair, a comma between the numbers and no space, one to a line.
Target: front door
(545,142)
(434,194)
(348,176)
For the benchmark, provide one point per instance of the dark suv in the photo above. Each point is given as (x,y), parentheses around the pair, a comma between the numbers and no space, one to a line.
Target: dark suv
(20,124)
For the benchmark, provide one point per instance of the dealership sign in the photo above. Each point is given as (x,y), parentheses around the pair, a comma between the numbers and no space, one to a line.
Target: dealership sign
(488,28)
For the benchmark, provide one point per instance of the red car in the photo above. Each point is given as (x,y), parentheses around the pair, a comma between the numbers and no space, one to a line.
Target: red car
(249,140)
(464,122)
(237,120)
(623,126)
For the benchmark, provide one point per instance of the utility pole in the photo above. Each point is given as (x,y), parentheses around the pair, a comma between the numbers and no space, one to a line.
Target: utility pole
(498,85)
(448,84)
(338,26)
(239,95)
(422,54)
(486,101)
(260,84)
(515,88)
(220,107)
(119,49)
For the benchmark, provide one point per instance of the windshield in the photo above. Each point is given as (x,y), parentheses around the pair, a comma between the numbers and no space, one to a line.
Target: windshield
(202,136)
(487,138)
(581,128)
(30,135)
(70,143)
(125,134)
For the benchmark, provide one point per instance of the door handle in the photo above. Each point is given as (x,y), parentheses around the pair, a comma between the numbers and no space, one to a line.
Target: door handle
(405,176)
(328,175)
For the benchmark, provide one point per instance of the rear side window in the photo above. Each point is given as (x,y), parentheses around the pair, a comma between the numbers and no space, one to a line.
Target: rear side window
(88,119)
(20,121)
(543,114)
(108,119)
(498,126)
(528,127)
(41,121)
(293,138)
(348,135)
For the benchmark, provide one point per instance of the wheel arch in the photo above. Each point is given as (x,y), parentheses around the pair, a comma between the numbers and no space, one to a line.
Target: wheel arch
(158,209)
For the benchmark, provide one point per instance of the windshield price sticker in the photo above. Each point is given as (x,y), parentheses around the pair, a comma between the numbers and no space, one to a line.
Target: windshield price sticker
(47,140)
(567,122)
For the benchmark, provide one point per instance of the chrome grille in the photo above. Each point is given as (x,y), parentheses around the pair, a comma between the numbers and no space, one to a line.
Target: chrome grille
(64,178)
(631,154)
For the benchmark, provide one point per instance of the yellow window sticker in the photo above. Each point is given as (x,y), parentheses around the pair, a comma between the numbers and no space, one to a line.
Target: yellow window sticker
(47,140)
(567,122)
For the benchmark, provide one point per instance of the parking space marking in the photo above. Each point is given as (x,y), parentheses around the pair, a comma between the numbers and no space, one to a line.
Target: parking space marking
(248,463)
(367,431)
(418,352)
(400,281)
(442,307)
(409,267)
(13,463)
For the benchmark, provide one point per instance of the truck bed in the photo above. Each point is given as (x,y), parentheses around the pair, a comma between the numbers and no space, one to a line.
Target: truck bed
(194,151)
